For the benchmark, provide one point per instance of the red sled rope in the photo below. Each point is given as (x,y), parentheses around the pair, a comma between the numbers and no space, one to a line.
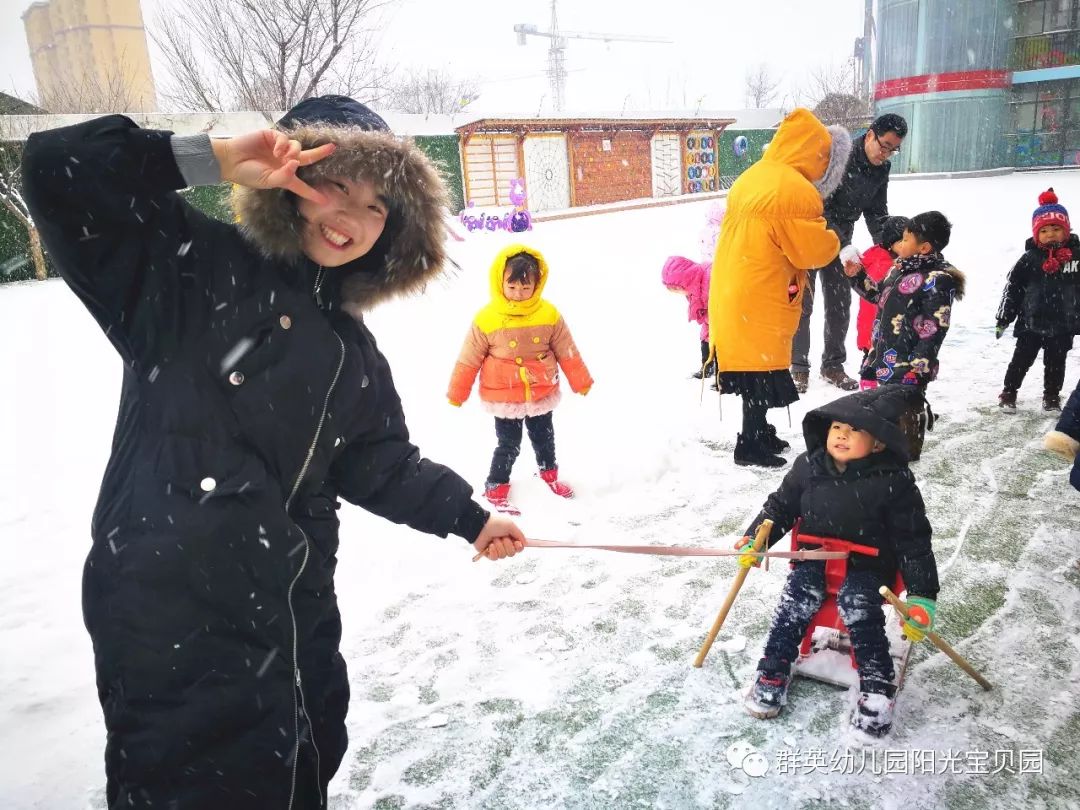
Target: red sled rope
(686,551)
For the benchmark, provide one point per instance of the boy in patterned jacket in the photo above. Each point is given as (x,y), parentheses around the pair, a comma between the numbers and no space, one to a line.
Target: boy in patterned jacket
(518,343)
(914,312)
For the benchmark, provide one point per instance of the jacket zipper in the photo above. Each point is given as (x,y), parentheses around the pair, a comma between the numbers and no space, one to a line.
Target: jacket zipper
(316,292)
(299,704)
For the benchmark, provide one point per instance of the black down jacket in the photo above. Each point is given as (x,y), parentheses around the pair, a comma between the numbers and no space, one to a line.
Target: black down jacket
(249,406)
(1043,301)
(864,192)
(874,502)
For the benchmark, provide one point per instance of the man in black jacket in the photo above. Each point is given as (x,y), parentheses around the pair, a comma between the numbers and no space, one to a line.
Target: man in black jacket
(862,193)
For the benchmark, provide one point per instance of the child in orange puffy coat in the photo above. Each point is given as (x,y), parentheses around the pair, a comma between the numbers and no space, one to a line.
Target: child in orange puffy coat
(518,343)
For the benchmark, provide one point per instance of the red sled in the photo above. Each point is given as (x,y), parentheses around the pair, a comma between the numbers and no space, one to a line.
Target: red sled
(826,653)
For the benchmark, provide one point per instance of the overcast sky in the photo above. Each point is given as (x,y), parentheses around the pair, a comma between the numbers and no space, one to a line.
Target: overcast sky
(712,45)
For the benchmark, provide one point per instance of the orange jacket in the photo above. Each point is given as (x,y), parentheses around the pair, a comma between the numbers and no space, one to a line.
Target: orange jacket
(518,347)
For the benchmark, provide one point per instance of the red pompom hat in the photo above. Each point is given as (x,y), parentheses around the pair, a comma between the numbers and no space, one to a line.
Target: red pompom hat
(1049,212)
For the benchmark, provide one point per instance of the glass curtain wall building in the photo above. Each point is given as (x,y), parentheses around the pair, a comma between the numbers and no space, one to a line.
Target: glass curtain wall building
(1044,114)
(943,65)
(983,83)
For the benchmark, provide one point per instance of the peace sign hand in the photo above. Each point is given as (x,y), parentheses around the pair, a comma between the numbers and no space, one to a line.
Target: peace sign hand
(268,159)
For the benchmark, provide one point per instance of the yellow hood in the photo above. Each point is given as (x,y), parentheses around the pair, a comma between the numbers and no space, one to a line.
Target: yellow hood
(498,268)
(817,152)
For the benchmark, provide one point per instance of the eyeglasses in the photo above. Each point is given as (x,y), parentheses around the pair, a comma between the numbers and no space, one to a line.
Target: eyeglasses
(885,148)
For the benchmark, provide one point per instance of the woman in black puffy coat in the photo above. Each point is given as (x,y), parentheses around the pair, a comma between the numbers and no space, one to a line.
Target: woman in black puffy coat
(253,398)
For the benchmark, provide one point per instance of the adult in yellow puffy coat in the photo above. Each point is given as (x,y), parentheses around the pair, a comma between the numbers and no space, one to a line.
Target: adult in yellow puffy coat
(773,233)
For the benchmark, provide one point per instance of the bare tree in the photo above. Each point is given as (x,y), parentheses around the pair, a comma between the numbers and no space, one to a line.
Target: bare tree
(113,91)
(430,91)
(12,199)
(843,109)
(833,96)
(761,86)
(267,54)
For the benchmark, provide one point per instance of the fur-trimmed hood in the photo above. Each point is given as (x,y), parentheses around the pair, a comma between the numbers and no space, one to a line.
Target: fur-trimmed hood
(411,250)
(959,279)
(817,152)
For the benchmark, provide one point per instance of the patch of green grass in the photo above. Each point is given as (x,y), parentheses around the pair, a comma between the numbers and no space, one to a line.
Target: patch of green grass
(428,770)
(392,802)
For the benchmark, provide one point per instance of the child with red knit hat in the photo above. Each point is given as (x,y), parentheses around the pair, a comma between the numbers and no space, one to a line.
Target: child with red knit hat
(1042,295)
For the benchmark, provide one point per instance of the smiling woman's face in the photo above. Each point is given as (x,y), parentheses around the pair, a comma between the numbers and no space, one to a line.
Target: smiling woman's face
(346,226)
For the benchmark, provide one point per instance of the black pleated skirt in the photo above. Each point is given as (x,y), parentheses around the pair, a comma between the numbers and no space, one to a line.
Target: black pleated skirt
(773,389)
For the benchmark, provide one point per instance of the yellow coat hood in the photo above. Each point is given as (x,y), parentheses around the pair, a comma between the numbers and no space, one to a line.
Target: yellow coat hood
(812,149)
(499,302)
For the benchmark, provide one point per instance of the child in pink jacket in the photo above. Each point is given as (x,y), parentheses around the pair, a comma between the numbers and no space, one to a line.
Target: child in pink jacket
(691,279)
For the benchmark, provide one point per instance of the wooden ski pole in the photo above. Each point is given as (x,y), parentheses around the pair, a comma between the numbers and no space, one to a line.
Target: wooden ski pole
(940,643)
(760,538)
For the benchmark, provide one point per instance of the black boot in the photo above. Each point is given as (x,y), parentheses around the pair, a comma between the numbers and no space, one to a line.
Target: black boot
(750,451)
(768,692)
(706,364)
(874,713)
(773,443)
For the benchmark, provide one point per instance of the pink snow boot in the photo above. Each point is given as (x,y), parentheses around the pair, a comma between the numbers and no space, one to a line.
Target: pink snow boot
(551,478)
(499,497)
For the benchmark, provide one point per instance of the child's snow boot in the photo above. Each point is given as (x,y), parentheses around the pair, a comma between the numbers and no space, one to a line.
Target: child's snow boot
(1007,401)
(1051,402)
(753,452)
(498,495)
(707,367)
(874,713)
(768,692)
(551,478)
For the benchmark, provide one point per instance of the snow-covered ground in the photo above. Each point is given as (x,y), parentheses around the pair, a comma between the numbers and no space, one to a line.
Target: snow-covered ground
(564,678)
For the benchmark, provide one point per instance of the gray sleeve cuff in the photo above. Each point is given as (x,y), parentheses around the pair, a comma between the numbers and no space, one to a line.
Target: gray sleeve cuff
(195,159)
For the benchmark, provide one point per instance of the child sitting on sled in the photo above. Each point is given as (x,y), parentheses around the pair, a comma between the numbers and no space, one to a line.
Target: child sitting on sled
(852,483)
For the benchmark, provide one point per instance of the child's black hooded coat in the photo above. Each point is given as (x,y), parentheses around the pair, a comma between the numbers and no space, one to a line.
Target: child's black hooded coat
(1043,297)
(874,502)
(249,405)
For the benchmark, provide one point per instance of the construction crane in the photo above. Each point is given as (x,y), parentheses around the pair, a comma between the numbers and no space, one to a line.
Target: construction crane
(557,49)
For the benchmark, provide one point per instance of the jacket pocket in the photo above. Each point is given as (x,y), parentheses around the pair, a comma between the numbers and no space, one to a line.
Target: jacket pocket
(206,470)
(255,347)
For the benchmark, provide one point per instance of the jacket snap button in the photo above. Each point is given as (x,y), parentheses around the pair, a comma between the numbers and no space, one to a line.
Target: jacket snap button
(518,360)
(513,344)
(207,484)
(536,340)
(285,321)
(237,378)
